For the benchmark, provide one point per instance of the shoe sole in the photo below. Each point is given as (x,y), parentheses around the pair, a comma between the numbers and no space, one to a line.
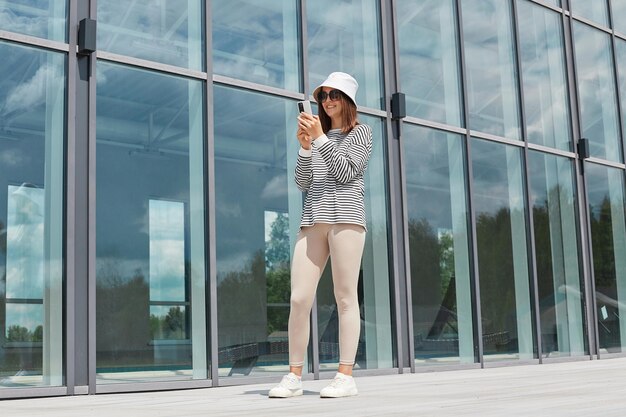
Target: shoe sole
(291,394)
(350,394)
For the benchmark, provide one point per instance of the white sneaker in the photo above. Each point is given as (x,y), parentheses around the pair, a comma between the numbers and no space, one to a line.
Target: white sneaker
(341,386)
(290,386)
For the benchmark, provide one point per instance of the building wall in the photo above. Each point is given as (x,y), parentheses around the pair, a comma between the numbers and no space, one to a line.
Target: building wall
(148,208)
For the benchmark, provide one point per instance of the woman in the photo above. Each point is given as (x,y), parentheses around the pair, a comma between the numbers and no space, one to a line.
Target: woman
(332,160)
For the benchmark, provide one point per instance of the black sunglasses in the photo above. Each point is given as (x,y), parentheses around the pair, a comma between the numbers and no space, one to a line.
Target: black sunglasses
(332,94)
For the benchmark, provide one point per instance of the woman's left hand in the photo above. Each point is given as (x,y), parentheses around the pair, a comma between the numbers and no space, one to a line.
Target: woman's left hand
(310,124)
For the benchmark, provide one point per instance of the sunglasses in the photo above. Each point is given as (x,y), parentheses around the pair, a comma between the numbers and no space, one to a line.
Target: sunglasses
(334,95)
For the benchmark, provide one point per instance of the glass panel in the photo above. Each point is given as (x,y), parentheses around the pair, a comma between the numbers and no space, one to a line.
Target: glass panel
(596,91)
(491,70)
(260,45)
(257,218)
(542,57)
(618,10)
(439,246)
(150,313)
(502,253)
(429,60)
(166,31)
(32,130)
(41,18)
(605,187)
(345,36)
(558,275)
(375,349)
(595,10)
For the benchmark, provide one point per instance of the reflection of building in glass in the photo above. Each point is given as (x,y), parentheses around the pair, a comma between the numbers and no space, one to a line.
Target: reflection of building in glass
(148,208)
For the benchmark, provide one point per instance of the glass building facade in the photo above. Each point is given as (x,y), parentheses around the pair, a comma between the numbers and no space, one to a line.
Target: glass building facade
(148,209)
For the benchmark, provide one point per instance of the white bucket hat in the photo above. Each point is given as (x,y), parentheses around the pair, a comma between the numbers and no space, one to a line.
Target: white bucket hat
(342,82)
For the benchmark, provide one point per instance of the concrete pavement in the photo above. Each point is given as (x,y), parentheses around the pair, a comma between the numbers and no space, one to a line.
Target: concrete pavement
(582,388)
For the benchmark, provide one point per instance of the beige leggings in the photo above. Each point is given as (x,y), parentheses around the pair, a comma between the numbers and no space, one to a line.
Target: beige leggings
(344,243)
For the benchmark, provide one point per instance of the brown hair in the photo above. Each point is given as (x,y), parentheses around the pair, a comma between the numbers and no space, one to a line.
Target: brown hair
(348,115)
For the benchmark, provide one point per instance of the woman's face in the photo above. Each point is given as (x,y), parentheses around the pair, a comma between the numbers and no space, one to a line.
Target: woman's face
(332,107)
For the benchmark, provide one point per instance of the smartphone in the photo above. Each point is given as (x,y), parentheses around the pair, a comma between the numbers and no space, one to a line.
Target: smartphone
(305,106)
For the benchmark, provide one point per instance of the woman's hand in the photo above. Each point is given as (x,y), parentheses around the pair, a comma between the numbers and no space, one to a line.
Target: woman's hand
(310,124)
(304,139)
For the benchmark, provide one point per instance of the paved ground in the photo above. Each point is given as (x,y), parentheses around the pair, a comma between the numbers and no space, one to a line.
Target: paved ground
(588,388)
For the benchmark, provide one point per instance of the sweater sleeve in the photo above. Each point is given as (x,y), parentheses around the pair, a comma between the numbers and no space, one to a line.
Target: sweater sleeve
(304,171)
(346,166)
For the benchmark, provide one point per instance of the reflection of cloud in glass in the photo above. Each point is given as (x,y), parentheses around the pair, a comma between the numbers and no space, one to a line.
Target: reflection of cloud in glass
(348,29)
(275,188)
(224,209)
(596,90)
(25,242)
(32,92)
(34,17)
(429,60)
(497,177)
(259,45)
(235,261)
(25,315)
(152,30)
(490,62)
(13,158)
(543,66)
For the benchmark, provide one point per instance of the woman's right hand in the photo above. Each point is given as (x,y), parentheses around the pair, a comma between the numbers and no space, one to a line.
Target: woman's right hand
(304,139)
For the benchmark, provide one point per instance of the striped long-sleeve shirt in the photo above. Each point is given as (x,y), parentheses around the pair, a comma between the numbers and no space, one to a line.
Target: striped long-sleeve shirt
(331,174)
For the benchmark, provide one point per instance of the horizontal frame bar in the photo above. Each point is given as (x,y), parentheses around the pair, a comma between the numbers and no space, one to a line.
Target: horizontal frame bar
(150,65)
(27,40)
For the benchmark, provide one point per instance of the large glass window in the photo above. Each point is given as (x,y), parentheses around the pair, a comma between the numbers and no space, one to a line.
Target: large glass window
(439,246)
(345,36)
(42,18)
(505,301)
(257,210)
(596,92)
(546,102)
(375,348)
(429,59)
(150,278)
(165,31)
(491,71)
(595,10)
(553,199)
(605,188)
(260,45)
(32,127)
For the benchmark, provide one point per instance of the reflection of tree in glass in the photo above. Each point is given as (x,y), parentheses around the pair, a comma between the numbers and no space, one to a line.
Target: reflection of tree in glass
(277,247)
(17,333)
(602,244)
(605,273)
(241,302)
(446,261)
(497,277)
(170,326)
(432,272)
(277,274)
(122,319)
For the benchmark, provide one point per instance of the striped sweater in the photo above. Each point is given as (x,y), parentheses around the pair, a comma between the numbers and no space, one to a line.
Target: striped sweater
(331,174)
